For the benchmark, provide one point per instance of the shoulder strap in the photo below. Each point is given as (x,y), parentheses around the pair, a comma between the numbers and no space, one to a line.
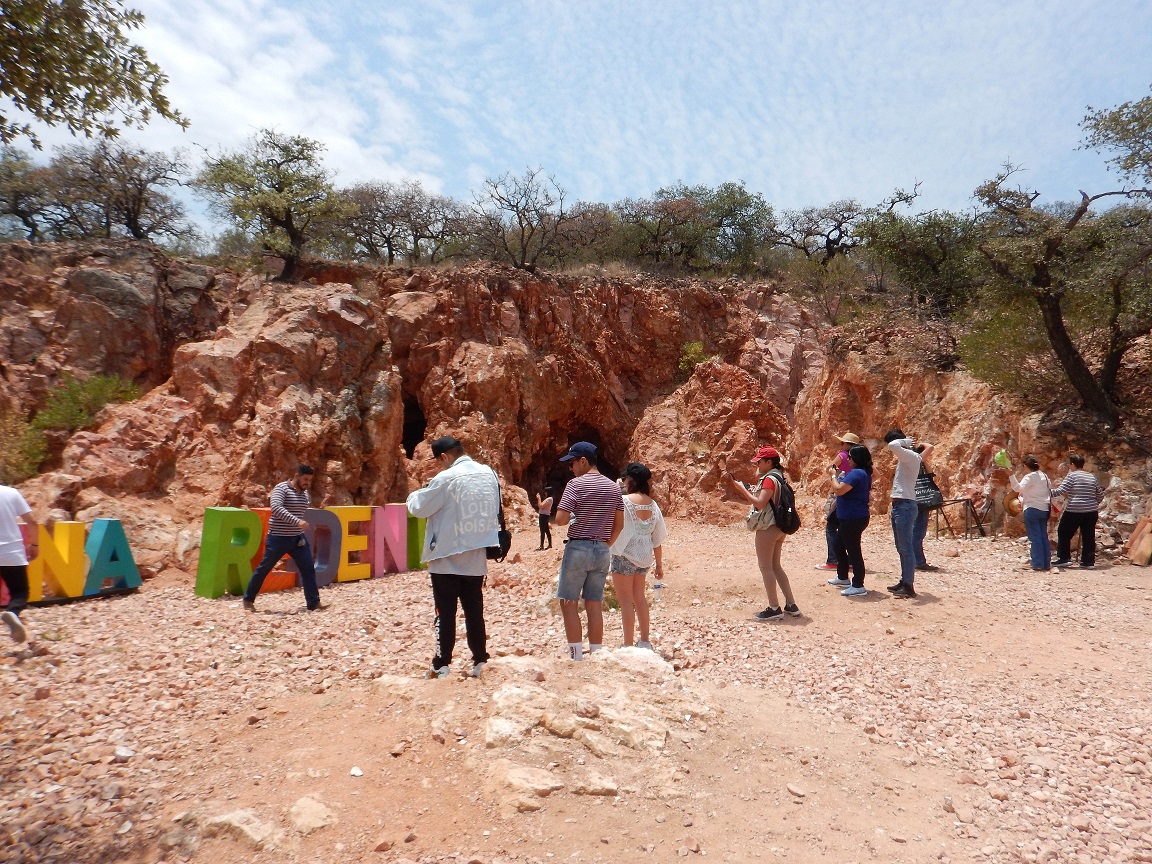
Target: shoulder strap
(778,482)
(499,497)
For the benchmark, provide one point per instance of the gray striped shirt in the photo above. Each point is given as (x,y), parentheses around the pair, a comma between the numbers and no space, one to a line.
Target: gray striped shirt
(288,506)
(1081,492)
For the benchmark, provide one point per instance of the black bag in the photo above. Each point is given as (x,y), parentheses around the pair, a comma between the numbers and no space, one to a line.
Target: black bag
(928,494)
(503,536)
(786,516)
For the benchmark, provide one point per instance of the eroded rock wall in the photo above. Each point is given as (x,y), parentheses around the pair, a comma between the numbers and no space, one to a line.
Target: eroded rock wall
(871,391)
(353,370)
(354,376)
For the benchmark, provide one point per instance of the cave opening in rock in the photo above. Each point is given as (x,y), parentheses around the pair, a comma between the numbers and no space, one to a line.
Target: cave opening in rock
(415,424)
(547,471)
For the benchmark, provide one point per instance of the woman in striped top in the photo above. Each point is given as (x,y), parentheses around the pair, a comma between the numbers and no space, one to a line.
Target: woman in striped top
(1082,496)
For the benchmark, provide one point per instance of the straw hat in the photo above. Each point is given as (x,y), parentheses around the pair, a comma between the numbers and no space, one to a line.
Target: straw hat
(848,438)
(1012,503)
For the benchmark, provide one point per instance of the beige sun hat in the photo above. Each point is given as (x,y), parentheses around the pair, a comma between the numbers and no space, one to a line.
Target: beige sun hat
(1013,504)
(848,438)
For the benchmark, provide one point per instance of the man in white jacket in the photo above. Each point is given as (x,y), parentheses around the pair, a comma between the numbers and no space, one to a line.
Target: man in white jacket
(462,505)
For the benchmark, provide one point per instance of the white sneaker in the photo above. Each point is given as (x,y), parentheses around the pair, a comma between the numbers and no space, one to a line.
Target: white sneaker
(442,672)
(642,644)
(854,592)
(478,670)
(838,582)
(15,626)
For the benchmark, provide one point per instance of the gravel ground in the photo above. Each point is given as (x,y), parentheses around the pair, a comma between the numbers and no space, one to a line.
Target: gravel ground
(1029,695)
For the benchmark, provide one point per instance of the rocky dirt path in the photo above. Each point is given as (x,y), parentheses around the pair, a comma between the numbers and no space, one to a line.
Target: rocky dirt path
(998,717)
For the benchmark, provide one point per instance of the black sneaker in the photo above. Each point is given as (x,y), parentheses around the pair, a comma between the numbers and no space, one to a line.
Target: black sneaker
(249,606)
(903,590)
(1064,562)
(772,613)
(793,610)
(930,567)
(895,587)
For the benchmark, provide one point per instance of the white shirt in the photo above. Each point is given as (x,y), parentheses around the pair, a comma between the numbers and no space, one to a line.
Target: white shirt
(907,467)
(639,536)
(12,507)
(1035,490)
(461,504)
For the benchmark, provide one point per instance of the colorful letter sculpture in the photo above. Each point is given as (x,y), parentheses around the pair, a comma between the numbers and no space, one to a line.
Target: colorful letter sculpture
(416,529)
(350,571)
(388,539)
(72,568)
(385,539)
(107,548)
(228,542)
(326,536)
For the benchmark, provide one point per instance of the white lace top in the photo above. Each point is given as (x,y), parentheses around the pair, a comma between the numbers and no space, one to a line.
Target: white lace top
(640,536)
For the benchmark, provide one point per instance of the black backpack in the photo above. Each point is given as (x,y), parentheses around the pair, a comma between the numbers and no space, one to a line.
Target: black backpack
(784,512)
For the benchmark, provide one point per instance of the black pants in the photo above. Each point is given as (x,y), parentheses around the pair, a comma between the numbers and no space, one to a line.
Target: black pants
(848,550)
(545,531)
(1070,523)
(16,578)
(447,589)
(831,526)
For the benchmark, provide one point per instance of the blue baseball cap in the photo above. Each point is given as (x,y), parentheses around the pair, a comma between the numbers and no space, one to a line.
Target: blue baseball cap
(580,448)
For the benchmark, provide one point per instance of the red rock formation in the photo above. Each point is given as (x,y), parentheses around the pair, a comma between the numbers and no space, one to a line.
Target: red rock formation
(353,371)
(99,308)
(351,380)
(871,391)
(712,424)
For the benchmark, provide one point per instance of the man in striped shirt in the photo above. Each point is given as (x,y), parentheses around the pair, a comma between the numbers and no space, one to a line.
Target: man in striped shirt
(286,537)
(595,507)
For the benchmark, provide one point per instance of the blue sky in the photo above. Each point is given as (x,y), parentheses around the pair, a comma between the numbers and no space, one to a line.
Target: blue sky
(806,102)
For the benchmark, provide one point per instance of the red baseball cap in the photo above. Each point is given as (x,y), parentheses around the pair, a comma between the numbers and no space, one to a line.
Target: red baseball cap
(766,453)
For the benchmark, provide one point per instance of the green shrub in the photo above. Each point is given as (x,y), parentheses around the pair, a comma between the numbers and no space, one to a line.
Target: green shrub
(691,355)
(1007,347)
(75,402)
(22,449)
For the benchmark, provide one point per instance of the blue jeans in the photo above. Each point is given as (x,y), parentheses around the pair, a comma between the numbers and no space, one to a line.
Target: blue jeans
(275,548)
(918,534)
(1036,524)
(583,570)
(903,515)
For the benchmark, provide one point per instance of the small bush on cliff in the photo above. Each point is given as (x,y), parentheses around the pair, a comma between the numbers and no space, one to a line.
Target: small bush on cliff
(75,402)
(692,354)
(22,449)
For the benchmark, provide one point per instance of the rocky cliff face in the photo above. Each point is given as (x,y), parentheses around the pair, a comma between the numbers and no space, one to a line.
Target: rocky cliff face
(354,369)
(245,379)
(877,387)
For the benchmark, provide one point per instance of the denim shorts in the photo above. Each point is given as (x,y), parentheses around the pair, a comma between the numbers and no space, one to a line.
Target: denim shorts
(583,570)
(624,567)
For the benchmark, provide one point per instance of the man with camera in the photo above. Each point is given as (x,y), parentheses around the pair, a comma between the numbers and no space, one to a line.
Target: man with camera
(904,510)
(462,506)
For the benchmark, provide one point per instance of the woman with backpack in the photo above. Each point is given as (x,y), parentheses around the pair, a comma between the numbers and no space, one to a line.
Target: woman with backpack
(769,537)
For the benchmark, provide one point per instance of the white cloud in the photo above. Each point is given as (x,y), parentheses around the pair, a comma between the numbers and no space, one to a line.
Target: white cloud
(805,103)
